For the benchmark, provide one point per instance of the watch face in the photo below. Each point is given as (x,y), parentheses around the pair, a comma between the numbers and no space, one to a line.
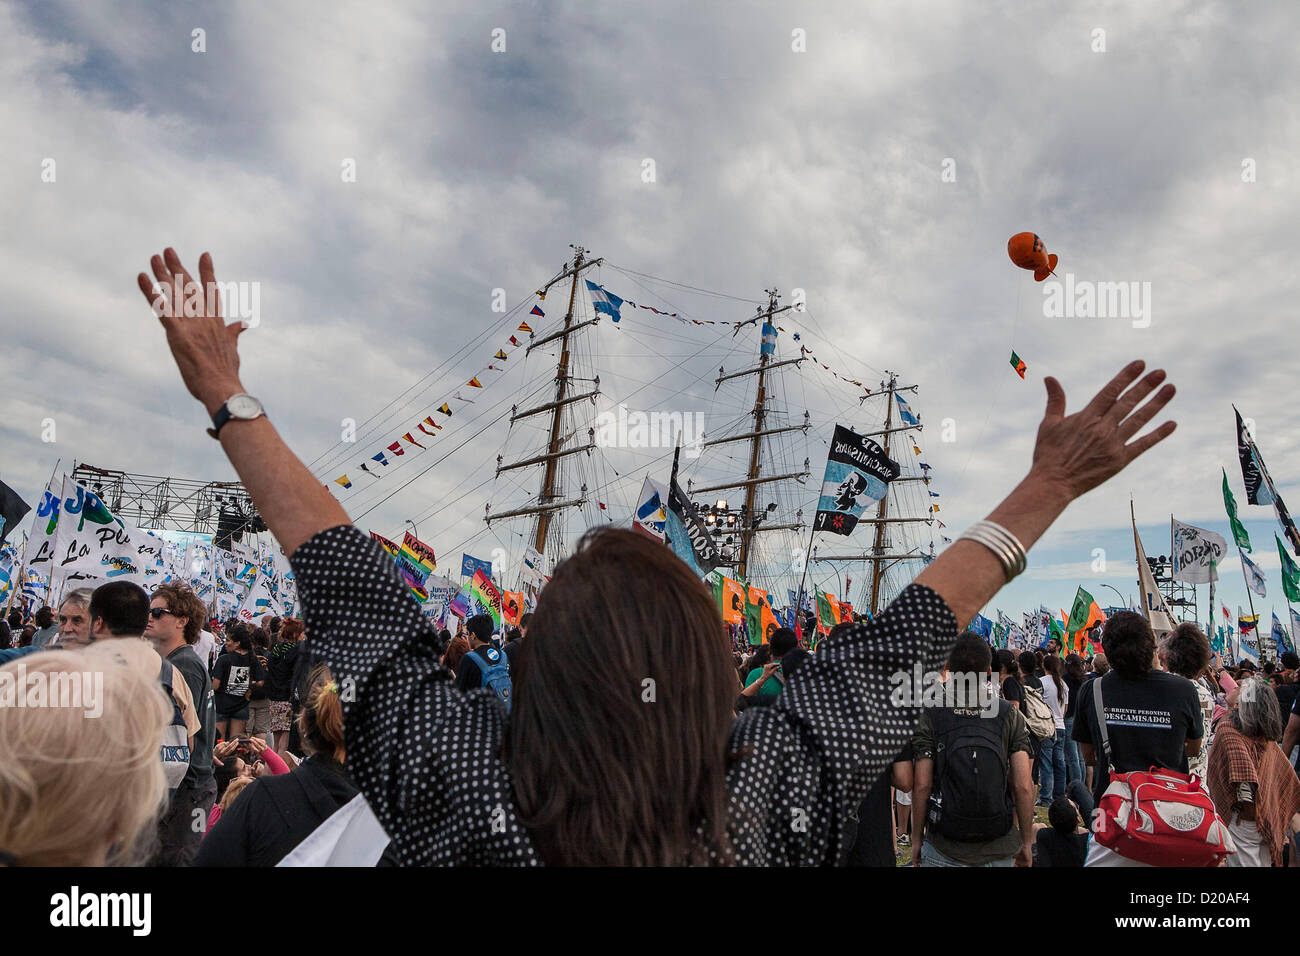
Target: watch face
(243,406)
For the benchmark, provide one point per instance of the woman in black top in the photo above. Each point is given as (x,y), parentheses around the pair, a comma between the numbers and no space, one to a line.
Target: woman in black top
(620,745)
(274,814)
(233,678)
(1074,675)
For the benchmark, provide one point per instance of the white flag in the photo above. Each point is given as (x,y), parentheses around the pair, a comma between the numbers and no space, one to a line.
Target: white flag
(351,836)
(259,602)
(39,555)
(1157,612)
(92,543)
(1254,575)
(1197,554)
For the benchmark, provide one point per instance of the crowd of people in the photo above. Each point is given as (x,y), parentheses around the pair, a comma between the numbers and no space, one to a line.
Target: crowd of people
(618,724)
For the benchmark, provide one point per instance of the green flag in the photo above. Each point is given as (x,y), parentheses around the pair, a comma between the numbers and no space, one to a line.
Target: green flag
(1238,529)
(999,635)
(1079,613)
(1054,628)
(825,613)
(753,621)
(1290,573)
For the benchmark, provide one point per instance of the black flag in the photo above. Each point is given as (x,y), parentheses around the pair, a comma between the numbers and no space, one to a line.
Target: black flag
(12,509)
(857,473)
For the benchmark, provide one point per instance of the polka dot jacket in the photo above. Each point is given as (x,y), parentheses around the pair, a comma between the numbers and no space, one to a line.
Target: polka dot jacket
(427,757)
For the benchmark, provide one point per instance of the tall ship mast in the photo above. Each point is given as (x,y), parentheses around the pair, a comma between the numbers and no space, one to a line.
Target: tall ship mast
(552,497)
(520,438)
(749,520)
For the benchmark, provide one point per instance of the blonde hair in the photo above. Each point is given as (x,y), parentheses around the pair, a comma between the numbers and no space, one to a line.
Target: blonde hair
(233,790)
(73,784)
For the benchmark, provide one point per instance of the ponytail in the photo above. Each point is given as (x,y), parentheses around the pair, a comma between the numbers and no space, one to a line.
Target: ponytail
(321,720)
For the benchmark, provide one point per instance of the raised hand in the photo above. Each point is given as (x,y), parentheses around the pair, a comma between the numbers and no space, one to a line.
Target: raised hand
(202,344)
(1080,451)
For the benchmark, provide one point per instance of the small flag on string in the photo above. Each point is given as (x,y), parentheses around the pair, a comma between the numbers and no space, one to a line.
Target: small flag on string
(344,480)
(514,341)
(602,505)
(474,383)
(445,409)
(366,468)
(537,310)
(380,458)
(396,448)
(916,448)
(934,509)
(1018,364)
(525,327)
(501,355)
(429,421)
(408,437)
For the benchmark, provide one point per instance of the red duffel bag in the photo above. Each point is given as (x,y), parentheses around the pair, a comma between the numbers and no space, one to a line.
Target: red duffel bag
(1158,817)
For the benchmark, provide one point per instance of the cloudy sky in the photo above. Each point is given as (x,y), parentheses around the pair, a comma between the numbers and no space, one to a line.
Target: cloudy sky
(793,145)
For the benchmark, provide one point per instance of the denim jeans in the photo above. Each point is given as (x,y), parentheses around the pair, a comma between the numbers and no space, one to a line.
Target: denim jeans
(932,857)
(1074,769)
(1052,768)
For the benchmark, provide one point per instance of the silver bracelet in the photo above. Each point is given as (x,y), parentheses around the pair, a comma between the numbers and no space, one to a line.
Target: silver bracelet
(1002,543)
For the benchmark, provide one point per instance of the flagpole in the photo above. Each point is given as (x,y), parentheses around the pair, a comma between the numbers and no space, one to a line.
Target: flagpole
(1249,600)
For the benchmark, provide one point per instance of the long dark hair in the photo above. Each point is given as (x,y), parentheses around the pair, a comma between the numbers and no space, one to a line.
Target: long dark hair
(1052,665)
(617,736)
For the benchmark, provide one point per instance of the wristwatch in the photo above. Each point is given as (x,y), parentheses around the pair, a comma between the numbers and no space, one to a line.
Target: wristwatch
(242,407)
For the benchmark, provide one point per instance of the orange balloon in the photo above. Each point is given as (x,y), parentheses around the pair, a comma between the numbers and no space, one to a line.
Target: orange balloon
(1027,251)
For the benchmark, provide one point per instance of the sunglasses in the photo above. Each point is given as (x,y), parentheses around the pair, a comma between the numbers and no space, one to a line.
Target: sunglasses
(157,612)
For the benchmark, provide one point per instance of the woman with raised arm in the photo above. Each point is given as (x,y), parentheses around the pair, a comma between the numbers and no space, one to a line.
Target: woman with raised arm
(620,747)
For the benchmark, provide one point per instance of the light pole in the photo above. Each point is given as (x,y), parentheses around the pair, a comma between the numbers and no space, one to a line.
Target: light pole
(1121,597)
(414,530)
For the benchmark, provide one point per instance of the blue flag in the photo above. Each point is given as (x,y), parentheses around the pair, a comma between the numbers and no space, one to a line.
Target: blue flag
(604,301)
(981,625)
(469,565)
(905,411)
(769,339)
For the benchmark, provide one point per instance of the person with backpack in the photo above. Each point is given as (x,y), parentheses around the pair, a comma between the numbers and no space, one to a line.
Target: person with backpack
(484,664)
(1052,754)
(971,784)
(1148,718)
(119,616)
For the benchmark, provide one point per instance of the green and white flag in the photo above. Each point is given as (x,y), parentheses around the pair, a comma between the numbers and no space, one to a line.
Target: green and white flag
(1290,573)
(1238,529)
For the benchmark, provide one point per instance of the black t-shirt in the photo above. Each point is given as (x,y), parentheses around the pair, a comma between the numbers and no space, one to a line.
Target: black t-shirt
(1013,693)
(874,843)
(512,652)
(1073,684)
(1149,722)
(468,675)
(1056,850)
(279,670)
(235,673)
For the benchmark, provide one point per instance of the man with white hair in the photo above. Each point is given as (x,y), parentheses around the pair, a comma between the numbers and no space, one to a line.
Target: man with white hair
(74,619)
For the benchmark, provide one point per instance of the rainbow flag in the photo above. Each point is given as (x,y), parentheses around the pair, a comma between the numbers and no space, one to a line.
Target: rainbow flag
(386,544)
(487,595)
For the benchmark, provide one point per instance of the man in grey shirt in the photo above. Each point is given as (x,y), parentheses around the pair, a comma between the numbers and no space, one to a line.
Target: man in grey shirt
(46,629)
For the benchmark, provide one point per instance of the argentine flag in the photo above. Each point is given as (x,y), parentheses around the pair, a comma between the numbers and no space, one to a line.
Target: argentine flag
(905,411)
(1255,574)
(604,301)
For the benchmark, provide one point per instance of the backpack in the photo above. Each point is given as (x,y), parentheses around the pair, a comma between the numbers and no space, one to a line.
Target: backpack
(1038,715)
(970,802)
(175,750)
(1159,817)
(495,675)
